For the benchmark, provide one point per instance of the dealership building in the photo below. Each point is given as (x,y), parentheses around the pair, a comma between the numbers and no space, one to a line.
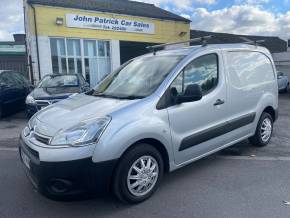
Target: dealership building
(94,37)
(13,54)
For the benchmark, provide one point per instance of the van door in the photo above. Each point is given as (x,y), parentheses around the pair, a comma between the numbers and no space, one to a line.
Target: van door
(250,74)
(197,127)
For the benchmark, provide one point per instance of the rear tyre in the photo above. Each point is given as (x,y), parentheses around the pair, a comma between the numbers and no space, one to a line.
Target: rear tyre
(263,132)
(138,174)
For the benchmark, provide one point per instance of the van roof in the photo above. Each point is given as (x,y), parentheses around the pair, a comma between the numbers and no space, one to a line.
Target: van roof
(187,50)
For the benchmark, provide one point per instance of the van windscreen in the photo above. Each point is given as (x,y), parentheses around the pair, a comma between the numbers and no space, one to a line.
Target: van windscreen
(138,78)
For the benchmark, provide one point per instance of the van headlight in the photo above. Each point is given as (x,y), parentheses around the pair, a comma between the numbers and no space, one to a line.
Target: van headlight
(86,132)
(30,126)
(32,122)
(29,100)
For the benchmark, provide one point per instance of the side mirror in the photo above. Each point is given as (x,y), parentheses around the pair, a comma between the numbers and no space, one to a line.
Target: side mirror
(192,93)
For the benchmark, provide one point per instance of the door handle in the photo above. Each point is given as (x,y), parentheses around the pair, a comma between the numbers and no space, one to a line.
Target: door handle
(219,102)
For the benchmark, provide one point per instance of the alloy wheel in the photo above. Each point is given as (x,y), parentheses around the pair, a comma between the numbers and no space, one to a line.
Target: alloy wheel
(266,130)
(142,176)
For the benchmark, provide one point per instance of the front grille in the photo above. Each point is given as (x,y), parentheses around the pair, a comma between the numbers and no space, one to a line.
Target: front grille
(42,139)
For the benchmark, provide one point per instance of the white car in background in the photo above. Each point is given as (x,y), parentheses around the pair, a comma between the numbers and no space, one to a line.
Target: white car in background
(283,82)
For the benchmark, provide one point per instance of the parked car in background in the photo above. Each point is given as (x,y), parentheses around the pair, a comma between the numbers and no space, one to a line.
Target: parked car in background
(54,88)
(14,88)
(283,82)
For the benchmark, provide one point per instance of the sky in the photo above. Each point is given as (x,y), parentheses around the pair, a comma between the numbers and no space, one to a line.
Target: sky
(253,17)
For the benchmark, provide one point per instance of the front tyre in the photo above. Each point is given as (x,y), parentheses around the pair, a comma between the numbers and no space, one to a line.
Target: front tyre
(138,174)
(264,131)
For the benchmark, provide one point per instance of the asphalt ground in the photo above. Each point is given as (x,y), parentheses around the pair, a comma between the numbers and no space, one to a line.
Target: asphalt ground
(240,181)
(217,186)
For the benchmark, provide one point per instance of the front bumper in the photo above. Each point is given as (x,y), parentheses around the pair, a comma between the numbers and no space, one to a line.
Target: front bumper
(67,178)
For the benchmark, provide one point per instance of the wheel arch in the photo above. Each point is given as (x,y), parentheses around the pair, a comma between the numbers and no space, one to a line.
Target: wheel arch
(156,144)
(270,110)
(151,141)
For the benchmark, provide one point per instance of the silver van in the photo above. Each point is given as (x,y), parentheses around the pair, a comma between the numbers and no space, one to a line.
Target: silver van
(155,114)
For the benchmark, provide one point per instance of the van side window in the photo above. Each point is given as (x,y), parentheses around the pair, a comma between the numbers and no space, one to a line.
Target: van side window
(248,68)
(202,71)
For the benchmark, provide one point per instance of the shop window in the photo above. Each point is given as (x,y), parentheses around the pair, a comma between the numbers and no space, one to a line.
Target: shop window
(91,66)
(104,61)
(74,55)
(101,48)
(58,55)
(88,57)
(90,48)
(97,60)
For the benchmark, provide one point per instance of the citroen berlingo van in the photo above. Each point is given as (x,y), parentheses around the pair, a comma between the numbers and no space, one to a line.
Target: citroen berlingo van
(155,114)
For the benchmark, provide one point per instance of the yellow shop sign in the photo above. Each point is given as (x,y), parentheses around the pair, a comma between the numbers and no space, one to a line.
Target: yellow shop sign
(108,23)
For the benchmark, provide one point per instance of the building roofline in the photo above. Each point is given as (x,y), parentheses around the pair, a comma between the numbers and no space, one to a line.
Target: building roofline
(232,34)
(167,15)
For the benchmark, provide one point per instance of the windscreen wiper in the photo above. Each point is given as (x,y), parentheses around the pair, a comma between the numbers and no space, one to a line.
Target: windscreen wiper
(130,97)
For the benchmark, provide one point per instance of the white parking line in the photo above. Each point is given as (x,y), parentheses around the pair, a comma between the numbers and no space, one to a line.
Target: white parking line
(263,158)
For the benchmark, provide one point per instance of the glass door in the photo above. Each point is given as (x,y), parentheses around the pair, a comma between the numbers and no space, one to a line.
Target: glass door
(104,61)
(58,55)
(74,59)
(91,65)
